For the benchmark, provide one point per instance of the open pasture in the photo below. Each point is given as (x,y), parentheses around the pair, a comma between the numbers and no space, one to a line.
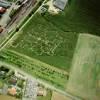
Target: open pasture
(85,71)
(42,40)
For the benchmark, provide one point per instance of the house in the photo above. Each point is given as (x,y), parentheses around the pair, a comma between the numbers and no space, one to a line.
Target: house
(12,91)
(4,1)
(61,4)
(2,10)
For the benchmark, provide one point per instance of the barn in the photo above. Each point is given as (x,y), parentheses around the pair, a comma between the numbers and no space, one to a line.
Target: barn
(61,4)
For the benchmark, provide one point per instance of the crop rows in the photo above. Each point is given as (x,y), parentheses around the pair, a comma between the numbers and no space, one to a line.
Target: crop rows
(35,69)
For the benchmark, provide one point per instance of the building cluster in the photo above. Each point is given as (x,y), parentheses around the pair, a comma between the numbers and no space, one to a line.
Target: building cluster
(14,83)
(10,83)
(4,5)
(9,9)
(53,6)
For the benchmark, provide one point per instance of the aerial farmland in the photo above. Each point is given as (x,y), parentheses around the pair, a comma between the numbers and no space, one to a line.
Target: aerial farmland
(51,41)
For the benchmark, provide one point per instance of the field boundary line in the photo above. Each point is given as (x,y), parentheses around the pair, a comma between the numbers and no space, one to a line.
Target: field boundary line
(40,62)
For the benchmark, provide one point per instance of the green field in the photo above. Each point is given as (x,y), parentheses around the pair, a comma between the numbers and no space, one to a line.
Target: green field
(81,16)
(52,39)
(84,78)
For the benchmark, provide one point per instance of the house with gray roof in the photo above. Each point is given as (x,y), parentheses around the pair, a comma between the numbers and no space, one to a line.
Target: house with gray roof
(61,4)
(5,4)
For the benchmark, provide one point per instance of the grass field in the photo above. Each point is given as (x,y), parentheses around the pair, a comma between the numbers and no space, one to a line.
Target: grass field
(81,16)
(85,72)
(59,96)
(52,38)
(45,42)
